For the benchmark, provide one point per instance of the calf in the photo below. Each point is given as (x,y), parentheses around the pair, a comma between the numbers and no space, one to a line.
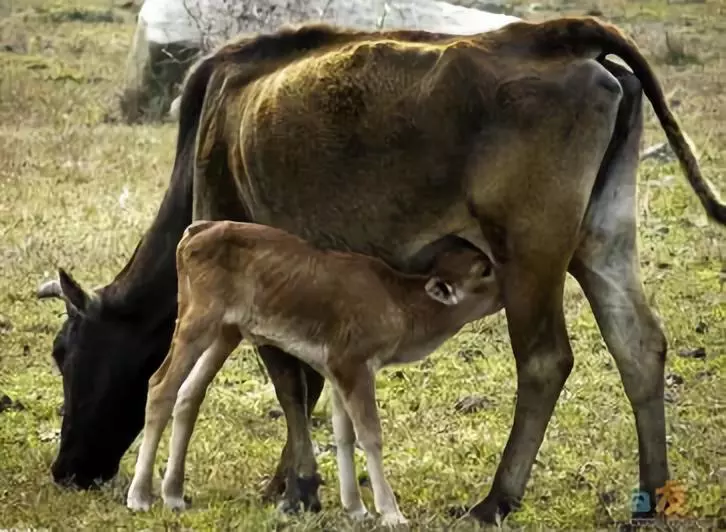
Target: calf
(345,314)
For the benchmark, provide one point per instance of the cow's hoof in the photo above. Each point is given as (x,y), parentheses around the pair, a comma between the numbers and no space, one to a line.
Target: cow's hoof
(308,489)
(288,507)
(274,489)
(493,509)
(304,494)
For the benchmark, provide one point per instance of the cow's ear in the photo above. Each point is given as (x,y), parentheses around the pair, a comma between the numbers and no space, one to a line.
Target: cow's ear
(441,291)
(73,293)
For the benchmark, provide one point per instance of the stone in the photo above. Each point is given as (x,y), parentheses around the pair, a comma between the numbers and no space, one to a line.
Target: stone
(171,34)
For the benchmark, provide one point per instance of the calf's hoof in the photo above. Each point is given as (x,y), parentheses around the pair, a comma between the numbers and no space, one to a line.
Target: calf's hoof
(393,520)
(138,502)
(359,514)
(177,503)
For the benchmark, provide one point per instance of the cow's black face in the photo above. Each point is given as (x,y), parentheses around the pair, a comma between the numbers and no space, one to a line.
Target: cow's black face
(104,392)
(106,362)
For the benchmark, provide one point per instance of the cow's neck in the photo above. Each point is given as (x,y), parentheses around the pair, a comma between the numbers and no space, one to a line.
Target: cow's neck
(147,286)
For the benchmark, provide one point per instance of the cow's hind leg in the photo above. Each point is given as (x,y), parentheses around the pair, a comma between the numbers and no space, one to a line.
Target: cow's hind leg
(552,185)
(189,399)
(606,266)
(634,337)
(298,388)
(544,360)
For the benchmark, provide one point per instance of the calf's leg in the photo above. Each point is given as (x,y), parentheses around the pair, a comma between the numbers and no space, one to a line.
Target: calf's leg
(189,399)
(358,394)
(298,388)
(345,454)
(190,340)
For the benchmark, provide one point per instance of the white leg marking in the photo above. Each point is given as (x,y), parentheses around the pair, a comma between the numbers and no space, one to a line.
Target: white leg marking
(139,495)
(361,407)
(383,496)
(345,443)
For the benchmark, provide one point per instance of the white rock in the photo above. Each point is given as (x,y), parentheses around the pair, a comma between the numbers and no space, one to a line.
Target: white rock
(201,24)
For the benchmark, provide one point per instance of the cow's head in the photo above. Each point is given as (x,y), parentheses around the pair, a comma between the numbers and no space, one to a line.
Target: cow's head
(101,355)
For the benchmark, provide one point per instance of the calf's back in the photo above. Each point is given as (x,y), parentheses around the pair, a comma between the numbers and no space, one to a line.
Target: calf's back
(281,290)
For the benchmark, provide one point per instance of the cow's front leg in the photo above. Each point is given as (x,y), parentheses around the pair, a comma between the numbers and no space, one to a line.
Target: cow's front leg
(275,487)
(297,385)
(536,321)
(298,388)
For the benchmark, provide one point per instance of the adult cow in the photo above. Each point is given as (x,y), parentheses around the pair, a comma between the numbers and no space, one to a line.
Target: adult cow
(524,140)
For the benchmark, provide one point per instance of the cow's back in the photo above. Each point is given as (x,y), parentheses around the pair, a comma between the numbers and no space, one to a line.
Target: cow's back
(325,130)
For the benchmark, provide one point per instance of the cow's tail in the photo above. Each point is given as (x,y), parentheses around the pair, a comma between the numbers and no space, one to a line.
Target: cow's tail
(588,36)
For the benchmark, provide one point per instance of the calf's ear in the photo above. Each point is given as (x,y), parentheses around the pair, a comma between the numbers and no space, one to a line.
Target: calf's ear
(73,293)
(441,291)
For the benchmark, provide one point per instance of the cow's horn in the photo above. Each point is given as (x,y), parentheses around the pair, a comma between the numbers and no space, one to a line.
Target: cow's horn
(50,289)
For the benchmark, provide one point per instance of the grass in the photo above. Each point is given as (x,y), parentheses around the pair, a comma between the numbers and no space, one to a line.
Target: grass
(65,167)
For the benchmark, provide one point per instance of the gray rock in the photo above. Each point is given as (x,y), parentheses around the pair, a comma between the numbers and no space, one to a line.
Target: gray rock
(170,34)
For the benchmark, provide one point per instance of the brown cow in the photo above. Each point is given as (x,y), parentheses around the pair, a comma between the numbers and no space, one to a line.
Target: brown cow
(524,139)
(345,314)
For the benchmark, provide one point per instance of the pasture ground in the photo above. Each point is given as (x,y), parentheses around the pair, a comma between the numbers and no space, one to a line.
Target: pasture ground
(78,189)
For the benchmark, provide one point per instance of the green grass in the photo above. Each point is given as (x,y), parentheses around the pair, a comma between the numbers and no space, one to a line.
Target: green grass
(64,167)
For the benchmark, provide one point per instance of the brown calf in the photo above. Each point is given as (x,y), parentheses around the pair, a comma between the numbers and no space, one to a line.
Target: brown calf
(345,314)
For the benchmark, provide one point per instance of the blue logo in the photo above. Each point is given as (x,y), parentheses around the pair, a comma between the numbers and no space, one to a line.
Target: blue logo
(640,502)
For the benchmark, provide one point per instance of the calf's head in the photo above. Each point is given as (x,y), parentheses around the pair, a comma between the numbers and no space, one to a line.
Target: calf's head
(105,359)
(464,277)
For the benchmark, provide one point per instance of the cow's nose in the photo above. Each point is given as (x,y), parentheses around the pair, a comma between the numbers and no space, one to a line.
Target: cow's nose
(60,475)
(66,477)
